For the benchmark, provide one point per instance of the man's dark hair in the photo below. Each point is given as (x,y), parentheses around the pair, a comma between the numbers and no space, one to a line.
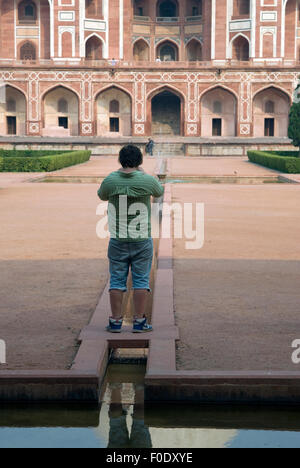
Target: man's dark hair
(130,156)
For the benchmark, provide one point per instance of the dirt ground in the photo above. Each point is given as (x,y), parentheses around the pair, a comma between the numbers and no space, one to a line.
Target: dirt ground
(53,267)
(215,166)
(52,271)
(237,299)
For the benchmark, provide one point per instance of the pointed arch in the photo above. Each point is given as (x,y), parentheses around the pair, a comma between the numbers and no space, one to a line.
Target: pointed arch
(221,86)
(108,121)
(240,48)
(27,11)
(104,46)
(51,115)
(194,50)
(113,86)
(168,87)
(59,85)
(167,50)
(93,48)
(269,121)
(165,111)
(13,111)
(27,51)
(94,35)
(167,9)
(141,50)
(275,88)
(218,110)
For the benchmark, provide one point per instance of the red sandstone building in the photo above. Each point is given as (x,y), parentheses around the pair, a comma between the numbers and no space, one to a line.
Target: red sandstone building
(145,67)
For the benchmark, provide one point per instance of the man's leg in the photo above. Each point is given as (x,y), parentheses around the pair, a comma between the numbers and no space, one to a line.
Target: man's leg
(140,297)
(119,269)
(116,301)
(141,265)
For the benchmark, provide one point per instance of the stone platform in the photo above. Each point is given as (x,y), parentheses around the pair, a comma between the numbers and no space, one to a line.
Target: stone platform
(187,146)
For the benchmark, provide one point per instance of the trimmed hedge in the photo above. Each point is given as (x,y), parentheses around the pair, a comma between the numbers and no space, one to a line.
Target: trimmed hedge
(290,165)
(42,163)
(30,153)
(290,154)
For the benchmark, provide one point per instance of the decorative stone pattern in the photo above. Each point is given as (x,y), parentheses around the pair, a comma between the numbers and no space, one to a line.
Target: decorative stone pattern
(63,29)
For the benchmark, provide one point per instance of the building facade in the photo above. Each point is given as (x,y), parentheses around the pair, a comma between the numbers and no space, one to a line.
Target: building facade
(108,68)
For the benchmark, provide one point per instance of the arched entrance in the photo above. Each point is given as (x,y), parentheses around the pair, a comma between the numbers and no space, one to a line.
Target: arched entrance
(13,112)
(28,51)
(240,49)
(167,52)
(141,51)
(167,9)
(194,51)
(166,110)
(61,113)
(113,110)
(93,49)
(271,113)
(218,113)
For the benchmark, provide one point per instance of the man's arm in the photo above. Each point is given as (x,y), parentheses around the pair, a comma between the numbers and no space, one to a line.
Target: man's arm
(157,189)
(103,192)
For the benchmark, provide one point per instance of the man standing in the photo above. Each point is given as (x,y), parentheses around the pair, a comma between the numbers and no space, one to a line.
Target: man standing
(150,147)
(129,192)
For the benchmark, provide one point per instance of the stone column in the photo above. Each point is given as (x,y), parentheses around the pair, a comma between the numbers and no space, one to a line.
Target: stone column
(34,119)
(139,105)
(86,107)
(244,111)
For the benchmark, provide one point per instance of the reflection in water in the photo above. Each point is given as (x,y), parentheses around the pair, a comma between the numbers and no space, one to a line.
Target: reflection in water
(124,422)
(119,436)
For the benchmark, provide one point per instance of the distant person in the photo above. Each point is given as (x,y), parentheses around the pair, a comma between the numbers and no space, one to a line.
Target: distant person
(131,244)
(158,59)
(114,62)
(150,147)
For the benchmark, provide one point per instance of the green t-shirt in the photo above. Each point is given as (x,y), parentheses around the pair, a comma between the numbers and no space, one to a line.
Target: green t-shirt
(129,211)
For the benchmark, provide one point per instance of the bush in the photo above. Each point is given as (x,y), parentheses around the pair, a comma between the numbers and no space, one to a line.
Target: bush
(42,163)
(30,153)
(294,124)
(282,163)
(290,154)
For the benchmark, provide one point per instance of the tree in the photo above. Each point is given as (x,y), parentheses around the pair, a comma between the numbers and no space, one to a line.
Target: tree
(294,125)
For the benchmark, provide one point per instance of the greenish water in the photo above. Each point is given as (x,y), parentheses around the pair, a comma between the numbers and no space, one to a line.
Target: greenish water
(181,180)
(224,180)
(122,420)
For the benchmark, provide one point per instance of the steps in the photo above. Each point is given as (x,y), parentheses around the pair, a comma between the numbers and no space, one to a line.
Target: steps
(169,149)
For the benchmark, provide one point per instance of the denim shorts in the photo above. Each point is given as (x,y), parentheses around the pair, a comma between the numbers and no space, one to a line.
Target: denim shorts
(125,255)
